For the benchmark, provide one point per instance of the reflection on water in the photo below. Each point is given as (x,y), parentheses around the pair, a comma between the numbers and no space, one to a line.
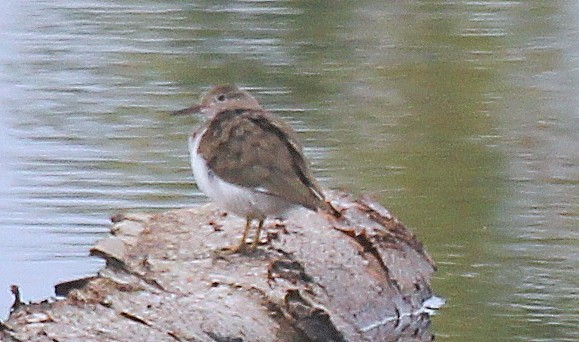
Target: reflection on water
(460,117)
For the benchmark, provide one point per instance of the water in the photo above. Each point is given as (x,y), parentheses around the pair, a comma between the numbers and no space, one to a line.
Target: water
(461,117)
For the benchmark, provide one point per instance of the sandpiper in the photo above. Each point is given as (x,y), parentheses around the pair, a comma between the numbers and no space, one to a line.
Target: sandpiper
(250,162)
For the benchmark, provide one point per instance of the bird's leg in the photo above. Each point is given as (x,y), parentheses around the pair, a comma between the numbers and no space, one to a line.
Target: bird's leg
(241,246)
(256,240)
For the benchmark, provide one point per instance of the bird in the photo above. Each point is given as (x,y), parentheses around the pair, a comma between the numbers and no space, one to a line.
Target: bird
(249,161)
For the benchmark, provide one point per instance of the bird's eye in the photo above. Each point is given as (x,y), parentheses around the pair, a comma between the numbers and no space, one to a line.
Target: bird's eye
(221,98)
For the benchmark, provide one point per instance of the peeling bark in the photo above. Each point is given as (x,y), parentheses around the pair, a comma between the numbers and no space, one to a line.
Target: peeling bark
(363,277)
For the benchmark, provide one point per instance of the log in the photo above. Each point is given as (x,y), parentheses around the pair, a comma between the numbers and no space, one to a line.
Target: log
(363,277)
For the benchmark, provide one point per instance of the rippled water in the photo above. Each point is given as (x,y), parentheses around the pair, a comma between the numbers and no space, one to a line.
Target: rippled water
(461,117)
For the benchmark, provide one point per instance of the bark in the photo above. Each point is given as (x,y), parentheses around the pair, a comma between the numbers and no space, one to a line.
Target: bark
(364,277)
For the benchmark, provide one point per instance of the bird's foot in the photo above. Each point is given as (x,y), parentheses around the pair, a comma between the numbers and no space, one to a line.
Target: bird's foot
(242,248)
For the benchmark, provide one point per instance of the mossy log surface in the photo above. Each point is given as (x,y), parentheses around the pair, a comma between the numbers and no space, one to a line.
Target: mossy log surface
(364,277)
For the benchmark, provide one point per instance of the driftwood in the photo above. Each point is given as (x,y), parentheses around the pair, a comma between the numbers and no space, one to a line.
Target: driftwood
(362,278)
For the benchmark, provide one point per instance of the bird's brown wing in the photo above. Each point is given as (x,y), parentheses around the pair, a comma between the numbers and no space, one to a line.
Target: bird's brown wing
(255,149)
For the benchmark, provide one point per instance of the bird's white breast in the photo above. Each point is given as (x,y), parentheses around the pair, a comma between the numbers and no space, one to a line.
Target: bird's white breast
(244,202)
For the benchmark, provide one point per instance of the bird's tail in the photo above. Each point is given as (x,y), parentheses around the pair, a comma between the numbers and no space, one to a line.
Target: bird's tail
(330,209)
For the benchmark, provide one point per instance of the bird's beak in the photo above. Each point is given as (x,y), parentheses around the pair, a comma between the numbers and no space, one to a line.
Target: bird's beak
(191,110)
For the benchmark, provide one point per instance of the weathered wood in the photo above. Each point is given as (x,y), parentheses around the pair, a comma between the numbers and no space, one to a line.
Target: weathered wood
(362,278)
